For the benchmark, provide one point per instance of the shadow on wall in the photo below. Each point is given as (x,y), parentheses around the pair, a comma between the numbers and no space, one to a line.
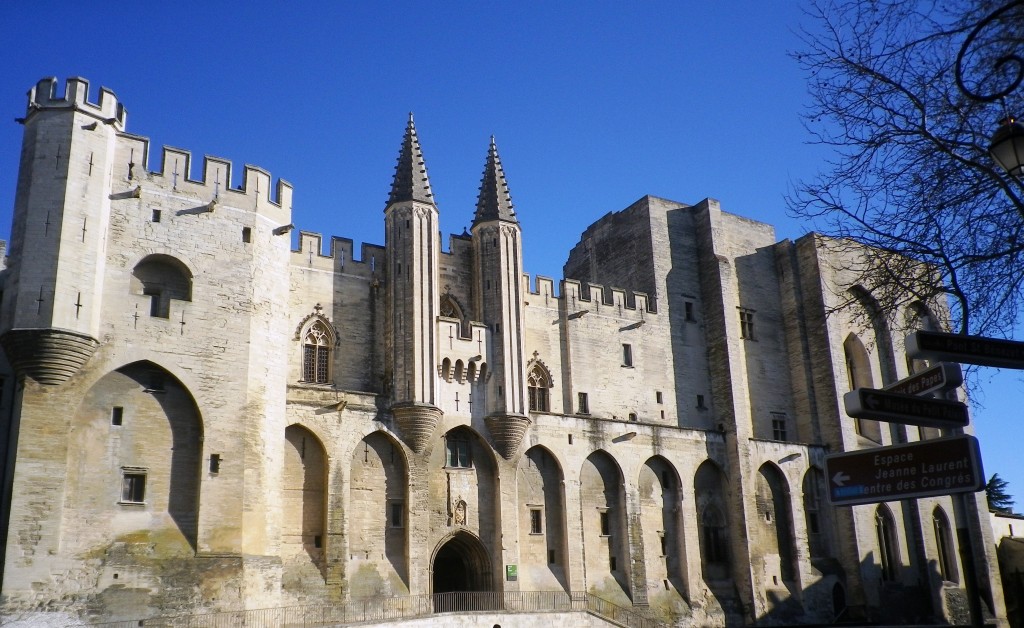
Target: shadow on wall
(182,415)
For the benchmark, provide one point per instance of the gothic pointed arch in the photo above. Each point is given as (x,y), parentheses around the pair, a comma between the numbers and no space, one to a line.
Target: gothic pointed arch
(888,544)
(817,517)
(304,521)
(944,547)
(136,438)
(459,563)
(605,532)
(378,517)
(661,525)
(451,308)
(538,384)
(542,524)
(469,468)
(712,519)
(775,523)
(880,330)
(858,373)
(317,338)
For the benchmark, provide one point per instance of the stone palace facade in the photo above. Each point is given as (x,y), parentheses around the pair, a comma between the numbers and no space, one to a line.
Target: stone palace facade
(199,414)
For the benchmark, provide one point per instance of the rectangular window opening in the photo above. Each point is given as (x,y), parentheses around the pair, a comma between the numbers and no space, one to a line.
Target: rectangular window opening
(700,403)
(156,215)
(214,463)
(551,557)
(689,310)
(397,508)
(627,355)
(133,486)
(605,523)
(658,397)
(318,541)
(246,235)
(583,402)
(779,426)
(117,415)
(536,521)
(611,563)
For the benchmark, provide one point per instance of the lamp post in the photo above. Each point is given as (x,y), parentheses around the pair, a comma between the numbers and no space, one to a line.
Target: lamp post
(1007,147)
(1007,150)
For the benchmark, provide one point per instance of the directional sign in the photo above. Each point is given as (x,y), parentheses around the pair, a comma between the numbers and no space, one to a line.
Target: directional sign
(922,469)
(880,405)
(939,377)
(933,345)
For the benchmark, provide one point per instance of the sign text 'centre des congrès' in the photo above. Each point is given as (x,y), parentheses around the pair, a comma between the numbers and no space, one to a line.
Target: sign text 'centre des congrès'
(921,469)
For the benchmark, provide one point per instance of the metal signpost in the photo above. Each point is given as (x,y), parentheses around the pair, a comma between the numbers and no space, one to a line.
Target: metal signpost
(947,466)
(881,405)
(939,377)
(923,469)
(934,345)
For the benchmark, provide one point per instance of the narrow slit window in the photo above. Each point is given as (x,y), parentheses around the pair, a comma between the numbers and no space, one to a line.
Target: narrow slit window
(117,415)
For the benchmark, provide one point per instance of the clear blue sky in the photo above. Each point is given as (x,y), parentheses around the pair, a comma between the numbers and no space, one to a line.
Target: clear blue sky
(593,105)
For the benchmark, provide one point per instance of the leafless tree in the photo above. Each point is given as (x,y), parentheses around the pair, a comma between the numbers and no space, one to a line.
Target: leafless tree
(910,174)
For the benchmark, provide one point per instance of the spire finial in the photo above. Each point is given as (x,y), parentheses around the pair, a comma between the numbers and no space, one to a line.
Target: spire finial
(411,182)
(495,201)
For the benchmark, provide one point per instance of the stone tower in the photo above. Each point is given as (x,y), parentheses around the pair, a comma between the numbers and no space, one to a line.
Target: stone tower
(498,271)
(61,211)
(411,240)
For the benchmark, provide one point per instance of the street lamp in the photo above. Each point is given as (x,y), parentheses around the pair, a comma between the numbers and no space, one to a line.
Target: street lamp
(1007,147)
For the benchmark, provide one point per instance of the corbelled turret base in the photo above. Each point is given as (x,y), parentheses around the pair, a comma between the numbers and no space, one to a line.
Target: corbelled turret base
(417,422)
(49,356)
(507,430)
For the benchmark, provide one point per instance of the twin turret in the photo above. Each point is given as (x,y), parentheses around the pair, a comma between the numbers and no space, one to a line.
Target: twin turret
(414,295)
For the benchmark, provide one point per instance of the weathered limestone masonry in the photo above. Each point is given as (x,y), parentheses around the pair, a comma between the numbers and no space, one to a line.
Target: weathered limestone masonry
(198,417)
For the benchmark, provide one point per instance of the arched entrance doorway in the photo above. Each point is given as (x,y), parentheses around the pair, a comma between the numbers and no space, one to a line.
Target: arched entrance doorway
(460,565)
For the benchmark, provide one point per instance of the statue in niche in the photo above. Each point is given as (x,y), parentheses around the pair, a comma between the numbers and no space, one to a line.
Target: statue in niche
(460,513)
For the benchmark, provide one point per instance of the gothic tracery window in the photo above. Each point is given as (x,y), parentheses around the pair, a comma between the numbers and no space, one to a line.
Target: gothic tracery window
(537,383)
(316,353)
(448,308)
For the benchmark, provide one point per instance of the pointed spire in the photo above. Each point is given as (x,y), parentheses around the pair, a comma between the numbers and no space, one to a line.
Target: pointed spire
(411,182)
(494,202)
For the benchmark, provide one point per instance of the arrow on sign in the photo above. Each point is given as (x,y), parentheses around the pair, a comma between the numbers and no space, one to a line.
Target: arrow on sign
(880,405)
(840,478)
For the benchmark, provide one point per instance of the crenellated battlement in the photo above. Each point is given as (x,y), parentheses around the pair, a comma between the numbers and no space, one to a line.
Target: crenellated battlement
(255,190)
(587,296)
(76,95)
(340,258)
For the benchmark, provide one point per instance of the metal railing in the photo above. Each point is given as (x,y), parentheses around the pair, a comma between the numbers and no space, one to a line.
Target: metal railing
(398,608)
